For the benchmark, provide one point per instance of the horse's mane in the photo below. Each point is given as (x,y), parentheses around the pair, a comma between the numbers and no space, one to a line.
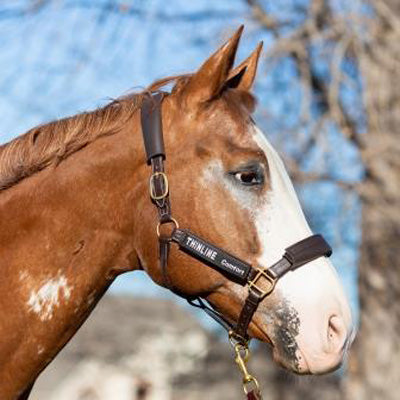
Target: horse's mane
(52,142)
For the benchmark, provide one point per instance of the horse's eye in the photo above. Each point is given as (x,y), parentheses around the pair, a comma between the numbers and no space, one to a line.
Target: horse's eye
(249,177)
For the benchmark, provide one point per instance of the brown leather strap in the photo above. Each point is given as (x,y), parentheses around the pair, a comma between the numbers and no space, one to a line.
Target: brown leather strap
(159,186)
(299,254)
(154,145)
(280,268)
(307,250)
(254,394)
(164,246)
(249,308)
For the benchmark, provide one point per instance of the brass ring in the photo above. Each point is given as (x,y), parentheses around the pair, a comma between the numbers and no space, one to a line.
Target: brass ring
(247,383)
(173,220)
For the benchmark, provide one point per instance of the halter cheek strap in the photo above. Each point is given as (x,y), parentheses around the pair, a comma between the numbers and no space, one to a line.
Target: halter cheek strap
(153,139)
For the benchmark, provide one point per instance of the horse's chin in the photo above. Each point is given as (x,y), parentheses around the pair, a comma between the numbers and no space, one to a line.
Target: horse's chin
(294,362)
(297,363)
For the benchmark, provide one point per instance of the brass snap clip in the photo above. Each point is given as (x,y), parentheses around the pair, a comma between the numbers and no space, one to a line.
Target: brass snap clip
(163,185)
(242,355)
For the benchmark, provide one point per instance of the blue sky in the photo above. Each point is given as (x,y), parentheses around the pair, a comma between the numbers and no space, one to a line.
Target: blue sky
(71,56)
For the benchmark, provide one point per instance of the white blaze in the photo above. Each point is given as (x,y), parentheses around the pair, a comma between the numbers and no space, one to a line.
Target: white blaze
(47,297)
(314,290)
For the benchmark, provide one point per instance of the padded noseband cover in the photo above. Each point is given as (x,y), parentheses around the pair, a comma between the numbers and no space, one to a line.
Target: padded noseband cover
(307,250)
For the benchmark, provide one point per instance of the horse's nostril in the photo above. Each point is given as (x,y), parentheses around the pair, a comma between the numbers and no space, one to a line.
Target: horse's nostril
(336,334)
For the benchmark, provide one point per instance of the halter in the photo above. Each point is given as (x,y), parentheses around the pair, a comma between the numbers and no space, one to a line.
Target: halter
(259,281)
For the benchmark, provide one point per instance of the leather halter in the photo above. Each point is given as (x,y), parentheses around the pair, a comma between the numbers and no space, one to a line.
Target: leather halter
(260,281)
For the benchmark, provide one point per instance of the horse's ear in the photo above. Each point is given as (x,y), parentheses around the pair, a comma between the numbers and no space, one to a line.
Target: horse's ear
(209,80)
(242,77)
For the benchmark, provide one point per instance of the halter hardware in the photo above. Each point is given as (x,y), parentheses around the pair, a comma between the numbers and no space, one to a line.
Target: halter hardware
(171,221)
(232,267)
(262,274)
(242,355)
(163,185)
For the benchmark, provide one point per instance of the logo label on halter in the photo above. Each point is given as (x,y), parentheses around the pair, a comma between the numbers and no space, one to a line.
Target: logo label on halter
(213,256)
(201,248)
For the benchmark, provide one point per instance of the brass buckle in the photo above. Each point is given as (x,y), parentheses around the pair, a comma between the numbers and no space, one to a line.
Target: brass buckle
(152,188)
(254,284)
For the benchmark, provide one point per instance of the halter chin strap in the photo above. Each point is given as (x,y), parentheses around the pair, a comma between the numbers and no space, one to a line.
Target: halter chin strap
(260,281)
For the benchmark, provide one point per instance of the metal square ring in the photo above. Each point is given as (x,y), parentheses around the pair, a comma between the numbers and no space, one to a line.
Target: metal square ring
(254,284)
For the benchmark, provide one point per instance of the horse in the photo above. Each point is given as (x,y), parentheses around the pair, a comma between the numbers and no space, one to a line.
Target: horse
(76,213)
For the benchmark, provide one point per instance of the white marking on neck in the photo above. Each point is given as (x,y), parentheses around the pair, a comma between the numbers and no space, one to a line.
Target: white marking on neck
(44,300)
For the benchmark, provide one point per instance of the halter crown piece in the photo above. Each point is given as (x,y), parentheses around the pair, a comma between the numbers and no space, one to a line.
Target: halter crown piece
(260,281)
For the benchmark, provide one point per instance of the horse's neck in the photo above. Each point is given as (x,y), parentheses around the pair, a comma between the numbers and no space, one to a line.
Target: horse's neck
(65,234)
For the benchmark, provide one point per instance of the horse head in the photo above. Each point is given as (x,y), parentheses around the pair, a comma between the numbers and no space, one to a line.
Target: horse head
(229,185)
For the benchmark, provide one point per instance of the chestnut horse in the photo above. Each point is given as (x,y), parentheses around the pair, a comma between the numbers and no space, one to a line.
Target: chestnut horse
(75,214)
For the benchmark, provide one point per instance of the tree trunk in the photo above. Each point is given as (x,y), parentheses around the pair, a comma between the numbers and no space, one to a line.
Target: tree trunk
(374,371)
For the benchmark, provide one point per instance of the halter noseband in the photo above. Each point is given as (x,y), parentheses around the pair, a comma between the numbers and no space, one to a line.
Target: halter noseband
(260,281)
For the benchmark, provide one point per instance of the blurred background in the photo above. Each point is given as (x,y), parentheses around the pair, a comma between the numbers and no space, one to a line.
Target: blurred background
(329,100)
